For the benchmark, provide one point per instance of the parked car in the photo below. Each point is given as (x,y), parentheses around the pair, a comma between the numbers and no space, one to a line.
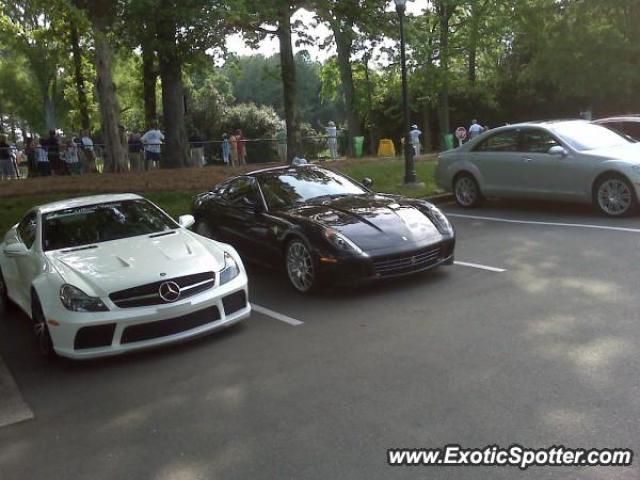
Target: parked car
(563,160)
(628,125)
(322,226)
(108,274)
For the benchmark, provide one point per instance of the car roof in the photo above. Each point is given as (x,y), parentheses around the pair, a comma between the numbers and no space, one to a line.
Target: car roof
(622,118)
(86,201)
(281,169)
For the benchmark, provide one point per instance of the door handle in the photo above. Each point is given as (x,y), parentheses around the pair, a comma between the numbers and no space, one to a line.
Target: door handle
(527,159)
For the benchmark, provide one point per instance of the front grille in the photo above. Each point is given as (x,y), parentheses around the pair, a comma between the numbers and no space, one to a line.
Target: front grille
(164,328)
(94,337)
(149,294)
(407,263)
(234,302)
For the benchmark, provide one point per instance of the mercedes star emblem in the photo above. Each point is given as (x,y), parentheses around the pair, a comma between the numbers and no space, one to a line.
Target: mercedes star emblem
(169,291)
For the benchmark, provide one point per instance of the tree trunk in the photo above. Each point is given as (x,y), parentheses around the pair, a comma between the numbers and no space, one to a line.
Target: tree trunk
(288,70)
(79,77)
(114,159)
(175,153)
(444,12)
(426,128)
(149,77)
(50,119)
(344,41)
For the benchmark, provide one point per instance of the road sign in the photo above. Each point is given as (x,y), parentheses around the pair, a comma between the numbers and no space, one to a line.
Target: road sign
(461,133)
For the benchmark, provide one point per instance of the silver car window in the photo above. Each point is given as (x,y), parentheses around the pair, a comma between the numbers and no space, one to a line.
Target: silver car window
(538,141)
(507,141)
(27,229)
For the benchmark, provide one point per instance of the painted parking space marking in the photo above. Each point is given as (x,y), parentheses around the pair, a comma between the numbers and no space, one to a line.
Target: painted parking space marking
(13,408)
(275,315)
(551,224)
(480,267)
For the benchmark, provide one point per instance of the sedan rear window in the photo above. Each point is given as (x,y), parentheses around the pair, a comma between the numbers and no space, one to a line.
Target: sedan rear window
(75,227)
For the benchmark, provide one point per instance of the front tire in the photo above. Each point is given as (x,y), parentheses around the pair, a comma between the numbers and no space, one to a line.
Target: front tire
(40,328)
(615,196)
(300,266)
(467,191)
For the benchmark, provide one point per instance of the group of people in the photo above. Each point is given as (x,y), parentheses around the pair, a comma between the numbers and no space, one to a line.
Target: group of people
(234,149)
(57,155)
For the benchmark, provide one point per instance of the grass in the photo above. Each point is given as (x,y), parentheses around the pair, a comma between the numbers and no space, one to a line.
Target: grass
(173,190)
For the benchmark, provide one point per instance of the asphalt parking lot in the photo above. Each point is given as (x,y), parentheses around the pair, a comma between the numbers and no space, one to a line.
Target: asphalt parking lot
(533,339)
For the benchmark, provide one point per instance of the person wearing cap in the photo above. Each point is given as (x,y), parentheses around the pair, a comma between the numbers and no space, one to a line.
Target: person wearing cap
(414,134)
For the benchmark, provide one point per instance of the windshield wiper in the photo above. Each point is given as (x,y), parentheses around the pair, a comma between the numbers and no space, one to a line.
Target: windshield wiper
(331,196)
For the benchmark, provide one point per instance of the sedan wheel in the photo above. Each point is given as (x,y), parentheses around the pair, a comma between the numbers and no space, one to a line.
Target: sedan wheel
(300,268)
(615,197)
(40,329)
(467,191)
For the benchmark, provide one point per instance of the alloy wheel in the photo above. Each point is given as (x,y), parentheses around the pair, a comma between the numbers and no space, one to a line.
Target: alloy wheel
(300,266)
(615,197)
(466,191)
(41,330)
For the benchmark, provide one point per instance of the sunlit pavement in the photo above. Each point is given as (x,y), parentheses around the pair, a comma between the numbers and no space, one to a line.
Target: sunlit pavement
(544,353)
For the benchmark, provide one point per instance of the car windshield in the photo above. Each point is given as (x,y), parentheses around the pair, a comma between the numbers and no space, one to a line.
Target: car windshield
(79,226)
(300,185)
(585,136)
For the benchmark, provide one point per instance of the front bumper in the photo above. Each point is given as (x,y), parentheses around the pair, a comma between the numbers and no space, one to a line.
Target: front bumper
(363,269)
(121,330)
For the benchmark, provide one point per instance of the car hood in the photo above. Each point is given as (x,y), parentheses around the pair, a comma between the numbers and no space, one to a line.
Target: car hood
(627,153)
(107,267)
(374,222)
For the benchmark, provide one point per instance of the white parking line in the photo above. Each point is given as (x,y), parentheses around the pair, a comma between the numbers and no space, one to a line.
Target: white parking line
(551,224)
(13,409)
(481,267)
(275,315)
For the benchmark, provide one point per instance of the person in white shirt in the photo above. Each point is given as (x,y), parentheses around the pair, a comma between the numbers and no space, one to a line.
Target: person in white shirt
(475,129)
(152,141)
(332,139)
(87,154)
(414,134)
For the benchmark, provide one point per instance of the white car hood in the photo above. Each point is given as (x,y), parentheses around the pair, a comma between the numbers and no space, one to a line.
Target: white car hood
(627,153)
(121,264)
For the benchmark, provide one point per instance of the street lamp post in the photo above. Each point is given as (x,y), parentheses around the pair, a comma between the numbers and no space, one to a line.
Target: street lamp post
(409,164)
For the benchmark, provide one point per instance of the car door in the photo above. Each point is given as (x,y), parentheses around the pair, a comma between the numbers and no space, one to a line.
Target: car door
(551,175)
(26,267)
(242,219)
(499,159)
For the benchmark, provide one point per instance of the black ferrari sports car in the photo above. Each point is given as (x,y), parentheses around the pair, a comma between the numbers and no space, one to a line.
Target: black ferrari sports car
(322,226)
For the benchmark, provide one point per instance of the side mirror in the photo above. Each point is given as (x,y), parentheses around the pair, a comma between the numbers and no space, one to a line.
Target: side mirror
(367,182)
(16,250)
(558,150)
(186,221)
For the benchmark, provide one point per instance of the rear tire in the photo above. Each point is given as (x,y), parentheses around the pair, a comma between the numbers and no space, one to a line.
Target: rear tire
(40,328)
(467,191)
(615,196)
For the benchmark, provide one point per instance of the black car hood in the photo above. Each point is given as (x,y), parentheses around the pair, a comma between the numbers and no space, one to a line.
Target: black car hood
(373,222)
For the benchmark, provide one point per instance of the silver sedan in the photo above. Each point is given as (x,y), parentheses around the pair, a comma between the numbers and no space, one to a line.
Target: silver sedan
(570,160)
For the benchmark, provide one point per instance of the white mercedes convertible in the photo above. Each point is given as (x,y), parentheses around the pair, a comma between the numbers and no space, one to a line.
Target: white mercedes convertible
(107,274)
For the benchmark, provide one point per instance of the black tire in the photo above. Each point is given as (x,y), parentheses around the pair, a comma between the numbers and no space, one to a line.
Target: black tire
(467,191)
(614,196)
(4,294)
(40,328)
(300,266)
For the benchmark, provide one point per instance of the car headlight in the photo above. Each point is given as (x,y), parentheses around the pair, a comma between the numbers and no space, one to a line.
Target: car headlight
(76,300)
(341,242)
(230,271)
(440,221)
